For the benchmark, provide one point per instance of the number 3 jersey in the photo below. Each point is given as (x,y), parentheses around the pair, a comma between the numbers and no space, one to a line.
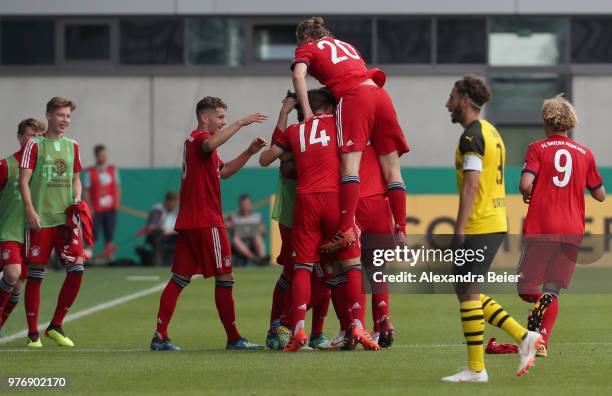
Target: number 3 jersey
(314,146)
(563,169)
(482,149)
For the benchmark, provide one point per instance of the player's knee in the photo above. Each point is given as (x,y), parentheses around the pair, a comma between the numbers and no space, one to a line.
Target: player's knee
(180,280)
(75,269)
(225,277)
(12,273)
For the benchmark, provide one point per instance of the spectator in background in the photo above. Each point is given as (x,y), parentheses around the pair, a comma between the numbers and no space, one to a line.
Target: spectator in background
(102,190)
(160,229)
(248,232)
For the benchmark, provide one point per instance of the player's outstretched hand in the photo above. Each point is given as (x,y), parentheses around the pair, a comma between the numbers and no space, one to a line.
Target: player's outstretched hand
(288,105)
(256,145)
(251,118)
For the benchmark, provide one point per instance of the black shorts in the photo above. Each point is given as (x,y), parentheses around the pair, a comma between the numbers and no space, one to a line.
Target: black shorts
(107,221)
(487,245)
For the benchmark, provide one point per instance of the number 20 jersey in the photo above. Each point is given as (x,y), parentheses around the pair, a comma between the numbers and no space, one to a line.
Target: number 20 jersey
(314,146)
(482,140)
(563,169)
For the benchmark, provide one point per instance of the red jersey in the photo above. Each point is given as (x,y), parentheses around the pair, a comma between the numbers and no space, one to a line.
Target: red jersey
(314,146)
(336,64)
(563,170)
(200,196)
(372,181)
(103,188)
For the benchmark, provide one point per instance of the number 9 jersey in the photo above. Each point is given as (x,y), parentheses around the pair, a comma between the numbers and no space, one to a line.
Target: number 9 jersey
(482,149)
(563,169)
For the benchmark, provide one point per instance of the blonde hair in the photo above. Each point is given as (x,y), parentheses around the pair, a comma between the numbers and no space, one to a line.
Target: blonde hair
(559,114)
(311,29)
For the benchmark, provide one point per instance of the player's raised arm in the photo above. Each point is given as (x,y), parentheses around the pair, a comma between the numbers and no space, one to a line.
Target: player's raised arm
(224,135)
(301,90)
(233,166)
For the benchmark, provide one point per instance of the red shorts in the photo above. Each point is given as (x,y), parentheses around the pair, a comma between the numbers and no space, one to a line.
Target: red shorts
(543,262)
(364,114)
(284,256)
(11,253)
(203,251)
(374,215)
(316,219)
(40,244)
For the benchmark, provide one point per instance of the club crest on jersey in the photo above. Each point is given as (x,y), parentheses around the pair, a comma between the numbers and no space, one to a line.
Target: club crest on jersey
(60,166)
(6,254)
(35,251)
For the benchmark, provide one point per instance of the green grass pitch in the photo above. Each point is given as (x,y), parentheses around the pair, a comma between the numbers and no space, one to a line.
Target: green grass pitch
(111,354)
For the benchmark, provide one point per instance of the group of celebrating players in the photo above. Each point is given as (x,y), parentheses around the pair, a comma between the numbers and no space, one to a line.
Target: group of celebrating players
(340,193)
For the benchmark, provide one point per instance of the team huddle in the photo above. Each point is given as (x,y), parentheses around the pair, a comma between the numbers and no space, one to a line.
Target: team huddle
(340,192)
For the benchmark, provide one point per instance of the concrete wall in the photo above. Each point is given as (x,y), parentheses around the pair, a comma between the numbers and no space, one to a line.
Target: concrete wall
(295,7)
(144,120)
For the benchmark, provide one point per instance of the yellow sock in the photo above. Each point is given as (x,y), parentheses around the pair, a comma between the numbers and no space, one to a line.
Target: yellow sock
(495,314)
(472,320)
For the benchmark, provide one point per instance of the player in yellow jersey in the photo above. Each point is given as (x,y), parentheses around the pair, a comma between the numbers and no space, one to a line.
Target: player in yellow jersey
(481,224)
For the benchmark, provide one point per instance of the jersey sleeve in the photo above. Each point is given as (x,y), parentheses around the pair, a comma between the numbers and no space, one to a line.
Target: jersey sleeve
(532,160)
(77,159)
(303,54)
(279,138)
(594,179)
(29,154)
(472,141)
(3,174)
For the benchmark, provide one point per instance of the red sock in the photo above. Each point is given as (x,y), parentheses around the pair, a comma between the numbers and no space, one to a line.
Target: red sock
(380,308)
(167,303)
(224,299)
(363,301)
(349,197)
(340,305)
(550,317)
(5,293)
(396,193)
(68,293)
(32,298)
(279,299)
(9,307)
(353,293)
(300,295)
(320,297)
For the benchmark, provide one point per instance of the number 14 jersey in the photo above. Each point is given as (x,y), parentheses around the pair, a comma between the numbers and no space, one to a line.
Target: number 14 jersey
(563,169)
(314,146)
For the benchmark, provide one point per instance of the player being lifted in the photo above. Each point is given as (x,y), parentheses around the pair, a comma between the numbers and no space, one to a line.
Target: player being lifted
(364,112)
(481,224)
(202,245)
(314,147)
(12,222)
(556,173)
(49,184)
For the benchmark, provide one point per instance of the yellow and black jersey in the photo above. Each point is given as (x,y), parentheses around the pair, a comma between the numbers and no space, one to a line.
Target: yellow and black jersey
(481,148)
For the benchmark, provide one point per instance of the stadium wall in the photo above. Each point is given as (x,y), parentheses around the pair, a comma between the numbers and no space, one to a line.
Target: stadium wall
(144,120)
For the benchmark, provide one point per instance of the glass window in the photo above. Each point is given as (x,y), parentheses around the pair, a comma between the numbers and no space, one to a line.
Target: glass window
(274,42)
(87,42)
(215,41)
(517,138)
(30,42)
(591,40)
(520,41)
(355,31)
(461,41)
(151,41)
(404,41)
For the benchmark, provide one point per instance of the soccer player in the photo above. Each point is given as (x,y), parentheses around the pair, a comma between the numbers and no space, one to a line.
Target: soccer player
(12,222)
(103,191)
(481,224)
(556,173)
(365,113)
(202,245)
(316,213)
(49,183)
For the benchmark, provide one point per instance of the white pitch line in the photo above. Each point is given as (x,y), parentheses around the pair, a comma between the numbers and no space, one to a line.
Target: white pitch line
(89,311)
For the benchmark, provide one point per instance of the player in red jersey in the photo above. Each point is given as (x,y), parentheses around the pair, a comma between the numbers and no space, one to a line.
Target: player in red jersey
(202,245)
(365,113)
(316,214)
(556,173)
(49,183)
(12,223)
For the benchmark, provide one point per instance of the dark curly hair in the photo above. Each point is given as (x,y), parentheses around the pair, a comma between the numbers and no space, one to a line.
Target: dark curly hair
(475,88)
(311,29)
